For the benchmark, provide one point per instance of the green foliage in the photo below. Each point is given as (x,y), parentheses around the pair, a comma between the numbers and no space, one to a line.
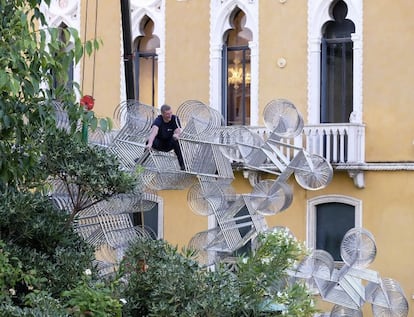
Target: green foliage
(92,298)
(42,255)
(35,231)
(264,282)
(90,174)
(164,282)
(32,57)
(11,274)
(20,287)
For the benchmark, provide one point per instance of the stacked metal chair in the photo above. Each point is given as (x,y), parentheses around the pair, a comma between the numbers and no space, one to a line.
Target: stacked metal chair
(352,285)
(108,225)
(209,149)
(203,133)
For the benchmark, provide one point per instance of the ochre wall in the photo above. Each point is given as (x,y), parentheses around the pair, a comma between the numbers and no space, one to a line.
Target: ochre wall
(187,52)
(283,34)
(101,76)
(388,75)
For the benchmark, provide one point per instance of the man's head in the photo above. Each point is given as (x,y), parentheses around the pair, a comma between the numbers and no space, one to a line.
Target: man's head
(166,113)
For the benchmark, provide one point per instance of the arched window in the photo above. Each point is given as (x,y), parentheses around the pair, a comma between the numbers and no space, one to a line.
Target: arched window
(329,218)
(64,37)
(337,66)
(236,71)
(146,64)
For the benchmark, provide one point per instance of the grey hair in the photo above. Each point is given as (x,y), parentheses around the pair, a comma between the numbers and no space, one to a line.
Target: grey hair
(165,108)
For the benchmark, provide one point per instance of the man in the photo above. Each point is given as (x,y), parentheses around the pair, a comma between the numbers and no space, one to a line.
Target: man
(165,132)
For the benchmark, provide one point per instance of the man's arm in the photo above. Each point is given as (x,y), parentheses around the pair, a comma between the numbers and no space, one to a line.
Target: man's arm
(153,134)
(177,133)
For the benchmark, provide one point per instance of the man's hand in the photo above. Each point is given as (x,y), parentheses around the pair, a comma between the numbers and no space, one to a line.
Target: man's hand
(153,134)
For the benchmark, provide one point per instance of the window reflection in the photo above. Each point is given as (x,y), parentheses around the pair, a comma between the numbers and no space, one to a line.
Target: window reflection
(237,64)
(146,64)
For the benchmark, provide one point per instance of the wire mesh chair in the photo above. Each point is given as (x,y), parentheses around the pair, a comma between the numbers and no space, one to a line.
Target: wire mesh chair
(341,311)
(389,299)
(199,121)
(282,118)
(269,197)
(61,116)
(358,247)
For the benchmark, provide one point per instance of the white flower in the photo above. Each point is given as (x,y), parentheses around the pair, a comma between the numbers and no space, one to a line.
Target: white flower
(12,291)
(123,301)
(30,288)
(88,272)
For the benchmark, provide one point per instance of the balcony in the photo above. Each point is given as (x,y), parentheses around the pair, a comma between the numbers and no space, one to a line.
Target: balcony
(342,144)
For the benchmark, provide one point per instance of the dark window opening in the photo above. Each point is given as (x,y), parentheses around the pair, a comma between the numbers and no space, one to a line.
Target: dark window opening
(148,220)
(236,71)
(333,220)
(337,66)
(244,230)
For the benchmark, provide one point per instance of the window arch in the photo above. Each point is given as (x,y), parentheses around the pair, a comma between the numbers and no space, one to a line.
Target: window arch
(323,19)
(328,219)
(65,14)
(64,38)
(146,64)
(337,66)
(222,15)
(236,71)
(149,20)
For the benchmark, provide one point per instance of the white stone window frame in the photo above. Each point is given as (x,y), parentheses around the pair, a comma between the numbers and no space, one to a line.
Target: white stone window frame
(159,201)
(220,12)
(318,15)
(311,208)
(67,13)
(155,10)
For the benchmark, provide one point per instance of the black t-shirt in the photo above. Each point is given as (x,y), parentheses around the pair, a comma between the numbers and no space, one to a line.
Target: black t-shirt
(166,129)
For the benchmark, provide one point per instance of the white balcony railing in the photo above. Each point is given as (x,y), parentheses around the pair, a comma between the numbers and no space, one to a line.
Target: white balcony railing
(339,143)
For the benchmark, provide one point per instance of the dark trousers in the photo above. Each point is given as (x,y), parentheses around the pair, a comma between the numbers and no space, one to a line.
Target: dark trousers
(168,145)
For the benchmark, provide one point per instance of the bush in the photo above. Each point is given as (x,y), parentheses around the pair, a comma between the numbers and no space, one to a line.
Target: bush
(34,231)
(92,298)
(160,281)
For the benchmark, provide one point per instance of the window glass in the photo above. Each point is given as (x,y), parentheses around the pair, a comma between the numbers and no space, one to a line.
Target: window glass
(236,66)
(333,220)
(244,230)
(337,66)
(148,220)
(146,64)
(64,38)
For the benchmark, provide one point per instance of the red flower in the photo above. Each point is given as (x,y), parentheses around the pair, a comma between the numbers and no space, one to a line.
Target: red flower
(88,102)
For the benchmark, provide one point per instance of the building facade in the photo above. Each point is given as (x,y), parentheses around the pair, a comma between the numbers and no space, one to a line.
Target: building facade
(346,66)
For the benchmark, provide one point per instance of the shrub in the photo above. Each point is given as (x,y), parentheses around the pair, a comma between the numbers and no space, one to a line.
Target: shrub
(92,298)
(160,281)
(35,233)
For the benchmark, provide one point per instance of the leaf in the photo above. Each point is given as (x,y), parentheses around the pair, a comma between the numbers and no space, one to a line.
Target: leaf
(88,47)
(103,125)
(94,123)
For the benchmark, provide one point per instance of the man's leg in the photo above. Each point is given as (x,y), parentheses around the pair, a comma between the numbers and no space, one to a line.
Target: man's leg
(176,146)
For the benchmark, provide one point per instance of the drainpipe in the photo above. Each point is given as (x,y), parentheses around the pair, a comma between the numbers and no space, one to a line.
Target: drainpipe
(128,56)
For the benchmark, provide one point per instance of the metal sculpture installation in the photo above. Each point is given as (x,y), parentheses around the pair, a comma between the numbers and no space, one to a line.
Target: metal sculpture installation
(352,285)
(209,150)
